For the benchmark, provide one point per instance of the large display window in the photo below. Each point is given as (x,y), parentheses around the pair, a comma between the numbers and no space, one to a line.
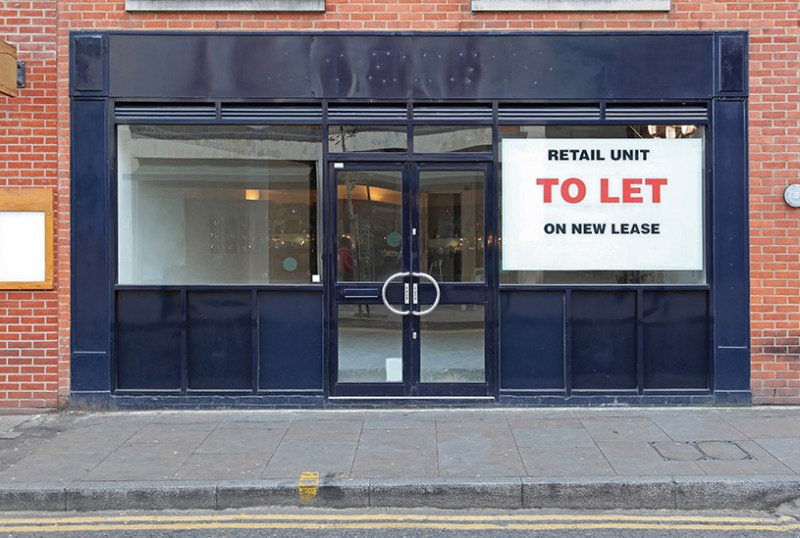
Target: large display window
(218,204)
(619,204)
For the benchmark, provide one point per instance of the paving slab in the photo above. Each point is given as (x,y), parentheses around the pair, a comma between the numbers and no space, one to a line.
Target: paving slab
(629,428)
(766,426)
(552,437)
(253,440)
(565,461)
(401,420)
(80,441)
(328,430)
(694,427)
(787,451)
(142,462)
(293,458)
(479,454)
(396,453)
(222,467)
(53,468)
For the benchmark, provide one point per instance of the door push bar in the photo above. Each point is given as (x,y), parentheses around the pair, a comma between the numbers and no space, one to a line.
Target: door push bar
(415,300)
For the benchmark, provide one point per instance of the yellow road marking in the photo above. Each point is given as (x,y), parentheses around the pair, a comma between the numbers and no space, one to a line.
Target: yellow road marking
(307,487)
(533,522)
(399,517)
(397,525)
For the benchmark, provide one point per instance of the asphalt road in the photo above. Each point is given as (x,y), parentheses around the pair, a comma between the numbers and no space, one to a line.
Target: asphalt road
(399,524)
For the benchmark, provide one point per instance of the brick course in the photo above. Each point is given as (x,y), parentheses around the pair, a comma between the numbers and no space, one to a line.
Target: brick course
(34,150)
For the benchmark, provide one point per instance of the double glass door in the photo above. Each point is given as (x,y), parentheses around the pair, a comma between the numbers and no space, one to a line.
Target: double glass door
(410,304)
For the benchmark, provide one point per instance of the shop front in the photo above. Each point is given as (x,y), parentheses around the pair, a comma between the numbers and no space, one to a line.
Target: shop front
(383,219)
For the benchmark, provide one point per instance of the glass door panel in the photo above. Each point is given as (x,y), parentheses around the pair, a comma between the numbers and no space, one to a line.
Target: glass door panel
(369,224)
(451,225)
(370,345)
(452,345)
(411,298)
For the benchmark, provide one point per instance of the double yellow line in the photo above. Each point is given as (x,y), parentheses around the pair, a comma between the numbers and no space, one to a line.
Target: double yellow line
(537,522)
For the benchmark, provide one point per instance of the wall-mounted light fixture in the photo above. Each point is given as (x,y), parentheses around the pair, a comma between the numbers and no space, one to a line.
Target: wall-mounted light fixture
(792,195)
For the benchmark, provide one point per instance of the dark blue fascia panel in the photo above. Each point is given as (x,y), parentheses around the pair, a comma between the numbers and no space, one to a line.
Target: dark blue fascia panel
(732,71)
(731,277)
(89,195)
(422,66)
(88,66)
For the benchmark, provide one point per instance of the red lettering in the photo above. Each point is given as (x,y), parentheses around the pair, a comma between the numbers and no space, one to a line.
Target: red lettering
(605,198)
(547,183)
(567,196)
(655,186)
(632,191)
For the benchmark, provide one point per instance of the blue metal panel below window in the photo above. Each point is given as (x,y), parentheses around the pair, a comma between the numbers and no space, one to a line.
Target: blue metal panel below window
(290,339)
(676,346)
(149,340)
(220,334)
(603,343)
(532,340)
(89,372)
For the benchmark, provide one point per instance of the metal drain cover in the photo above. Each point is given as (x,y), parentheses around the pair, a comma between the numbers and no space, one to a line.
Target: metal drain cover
(700,450)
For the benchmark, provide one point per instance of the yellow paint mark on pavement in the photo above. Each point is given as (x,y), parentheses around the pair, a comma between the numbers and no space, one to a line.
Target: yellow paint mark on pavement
(307,487)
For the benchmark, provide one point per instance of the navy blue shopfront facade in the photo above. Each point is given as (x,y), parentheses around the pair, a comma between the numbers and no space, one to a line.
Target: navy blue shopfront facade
(315,220)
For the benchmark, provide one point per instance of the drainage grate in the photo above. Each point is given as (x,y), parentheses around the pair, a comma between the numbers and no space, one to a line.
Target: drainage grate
(700,451)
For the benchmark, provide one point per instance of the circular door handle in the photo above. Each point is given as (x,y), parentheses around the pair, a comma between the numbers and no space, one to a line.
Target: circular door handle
(386,301)
(431,308)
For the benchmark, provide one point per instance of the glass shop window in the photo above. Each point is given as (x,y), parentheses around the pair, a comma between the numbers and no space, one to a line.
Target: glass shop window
(452,138)
(367,138)
(230,204)
(602,205)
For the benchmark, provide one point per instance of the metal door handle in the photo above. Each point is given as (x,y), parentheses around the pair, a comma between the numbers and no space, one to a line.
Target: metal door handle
(386,301)
(432,280)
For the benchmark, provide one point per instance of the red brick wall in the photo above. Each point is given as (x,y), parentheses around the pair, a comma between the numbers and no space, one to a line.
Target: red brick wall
(32,362)
(29,321)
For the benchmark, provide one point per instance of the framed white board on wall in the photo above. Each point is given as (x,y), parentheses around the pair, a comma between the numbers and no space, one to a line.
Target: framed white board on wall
(26,238)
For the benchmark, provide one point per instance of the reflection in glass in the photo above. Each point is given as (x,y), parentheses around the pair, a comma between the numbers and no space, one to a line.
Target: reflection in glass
(452,138)
(451,225)
(370,345)
(219,204)
(362,138)
(369,227)
(599,277)
(452,348)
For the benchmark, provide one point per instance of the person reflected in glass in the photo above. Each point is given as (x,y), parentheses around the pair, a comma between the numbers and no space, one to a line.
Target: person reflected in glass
(347,269)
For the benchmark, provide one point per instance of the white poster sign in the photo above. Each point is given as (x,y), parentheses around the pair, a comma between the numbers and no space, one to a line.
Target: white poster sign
(602,204)
(22,246)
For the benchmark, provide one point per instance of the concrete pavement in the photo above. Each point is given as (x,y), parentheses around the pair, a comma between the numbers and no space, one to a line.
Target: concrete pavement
(598,458)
